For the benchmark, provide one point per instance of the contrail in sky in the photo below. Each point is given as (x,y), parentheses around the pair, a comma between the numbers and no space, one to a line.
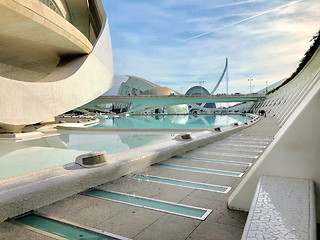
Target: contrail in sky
(241,21)
(230,4)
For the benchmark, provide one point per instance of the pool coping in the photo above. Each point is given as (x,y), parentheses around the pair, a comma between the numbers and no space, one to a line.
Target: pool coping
(87,128)
(31,191)
(129,130)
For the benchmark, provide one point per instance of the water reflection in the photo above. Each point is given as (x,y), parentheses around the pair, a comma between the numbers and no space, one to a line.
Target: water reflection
(31,155)
(109,142)
(20,157)
(171,121)
(134,141)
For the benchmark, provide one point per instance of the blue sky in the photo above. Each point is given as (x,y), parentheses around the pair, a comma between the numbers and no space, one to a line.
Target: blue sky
(177,44)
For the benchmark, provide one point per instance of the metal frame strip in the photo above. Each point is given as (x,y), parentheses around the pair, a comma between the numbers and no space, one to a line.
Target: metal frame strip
(204,216)
(63,221)
(178,180)
(201,170)
(243,164)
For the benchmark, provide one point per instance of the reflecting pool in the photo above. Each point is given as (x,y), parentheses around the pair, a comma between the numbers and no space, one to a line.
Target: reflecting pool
(57,149)
(63,146)
(170,121)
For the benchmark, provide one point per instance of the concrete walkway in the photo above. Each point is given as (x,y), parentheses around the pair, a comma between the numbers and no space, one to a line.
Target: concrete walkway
(141,223)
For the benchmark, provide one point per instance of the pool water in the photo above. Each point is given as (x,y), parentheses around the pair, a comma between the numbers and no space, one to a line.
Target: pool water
(109,142)
(22,157)
(170,121)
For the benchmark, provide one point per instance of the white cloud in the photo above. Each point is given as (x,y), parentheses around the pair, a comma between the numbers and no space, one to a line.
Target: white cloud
(267,47)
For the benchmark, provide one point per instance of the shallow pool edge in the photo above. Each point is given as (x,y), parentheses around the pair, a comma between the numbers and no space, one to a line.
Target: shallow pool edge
(28,192)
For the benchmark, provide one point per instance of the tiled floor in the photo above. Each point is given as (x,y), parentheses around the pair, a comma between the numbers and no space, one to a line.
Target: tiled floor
(141,223)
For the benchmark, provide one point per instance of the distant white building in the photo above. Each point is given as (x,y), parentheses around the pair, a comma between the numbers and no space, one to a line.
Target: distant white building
(134,86)
(245,107)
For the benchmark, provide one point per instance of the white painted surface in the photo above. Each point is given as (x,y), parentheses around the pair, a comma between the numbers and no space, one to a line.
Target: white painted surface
(282,209)
(295,150)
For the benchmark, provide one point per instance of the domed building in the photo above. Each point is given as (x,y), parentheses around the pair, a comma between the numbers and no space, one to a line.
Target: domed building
(200,107)
(197,90)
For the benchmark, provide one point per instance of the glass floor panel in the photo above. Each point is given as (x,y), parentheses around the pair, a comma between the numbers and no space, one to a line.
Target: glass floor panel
(163,206)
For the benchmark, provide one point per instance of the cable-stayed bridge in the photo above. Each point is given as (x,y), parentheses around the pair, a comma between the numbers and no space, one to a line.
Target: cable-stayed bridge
(147,102)
(142,103)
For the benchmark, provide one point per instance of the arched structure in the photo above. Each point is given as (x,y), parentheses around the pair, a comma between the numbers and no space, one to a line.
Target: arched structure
(197,90)
(55,56)
(200,107)
(225,72)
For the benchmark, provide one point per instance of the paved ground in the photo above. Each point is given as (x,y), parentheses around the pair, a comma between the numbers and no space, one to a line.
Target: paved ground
(141,223)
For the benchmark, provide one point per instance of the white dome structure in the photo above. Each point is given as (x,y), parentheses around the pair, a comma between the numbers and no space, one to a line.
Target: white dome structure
(200,107)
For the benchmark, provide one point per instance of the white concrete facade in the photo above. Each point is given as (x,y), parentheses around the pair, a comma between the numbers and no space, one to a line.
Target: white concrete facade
(294,151)
(76,77)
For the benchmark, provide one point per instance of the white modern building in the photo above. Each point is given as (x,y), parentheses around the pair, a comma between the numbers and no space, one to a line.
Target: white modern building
(55,56)
(138,86)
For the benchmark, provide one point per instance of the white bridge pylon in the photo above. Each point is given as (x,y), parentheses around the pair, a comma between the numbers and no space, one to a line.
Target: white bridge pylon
(224,73)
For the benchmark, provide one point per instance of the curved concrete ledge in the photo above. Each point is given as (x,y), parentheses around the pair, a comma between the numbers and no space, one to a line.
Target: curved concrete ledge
(144,130)
(71,84)
(126,130)
(21,194)
(22,136)
(34,39)
(78,124)
(37,12)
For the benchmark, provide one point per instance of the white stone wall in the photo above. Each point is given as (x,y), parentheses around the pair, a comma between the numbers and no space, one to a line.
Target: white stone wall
(295,150)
